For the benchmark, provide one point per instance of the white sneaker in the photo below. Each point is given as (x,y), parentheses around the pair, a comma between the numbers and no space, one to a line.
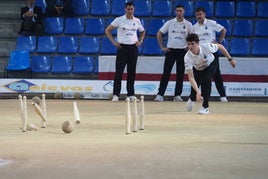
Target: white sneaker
(189,105)
(159,98)
(203,110)
(115,98)
(223,99)
(132,98)
(178,99)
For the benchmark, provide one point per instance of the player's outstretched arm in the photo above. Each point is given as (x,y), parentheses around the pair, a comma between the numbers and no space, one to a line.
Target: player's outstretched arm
(227,55)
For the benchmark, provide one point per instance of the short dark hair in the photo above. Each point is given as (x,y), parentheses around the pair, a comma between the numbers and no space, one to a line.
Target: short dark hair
(200,9)
(129,3)
(179,6)
(192,37)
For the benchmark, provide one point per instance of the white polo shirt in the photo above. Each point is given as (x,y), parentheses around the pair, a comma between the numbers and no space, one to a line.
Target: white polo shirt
(177,33)
(127,29)
(207,31)
(203,59)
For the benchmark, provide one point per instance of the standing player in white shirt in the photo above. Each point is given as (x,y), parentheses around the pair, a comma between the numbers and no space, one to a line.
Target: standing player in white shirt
(127,49)
(200,65)
(206,30)
(178,29)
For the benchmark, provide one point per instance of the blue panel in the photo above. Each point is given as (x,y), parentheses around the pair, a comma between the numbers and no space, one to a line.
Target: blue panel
(162,8)
(262,9)
(245,9)
(89,45)
(261,28)
(26,43)
(68,44)
(83,65)
(40,64)
(151,47)
(47,44)
(259,47)
(188,6)
(18,60)
(107,47)
(74,26)
(118,7)
(207,5)
(62,64)
(54,25)
(243,28)
(81,7)
(143,8)
(100,7)
(240,47)
(95,26)
(225,9)
(154,25)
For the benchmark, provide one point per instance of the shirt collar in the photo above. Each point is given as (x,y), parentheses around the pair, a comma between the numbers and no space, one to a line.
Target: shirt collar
(175,19)
(205,21)
(128,18)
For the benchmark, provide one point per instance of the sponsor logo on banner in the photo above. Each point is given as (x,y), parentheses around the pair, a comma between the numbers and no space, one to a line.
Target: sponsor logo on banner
(247,91)
(143,88)
(49,86)
(103,88)
(19,86)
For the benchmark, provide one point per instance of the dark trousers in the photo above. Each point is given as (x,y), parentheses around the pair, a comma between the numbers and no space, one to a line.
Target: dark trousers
(217,77)
(32,28)
(174,55)
(52,12)
(203,78)
(126,56)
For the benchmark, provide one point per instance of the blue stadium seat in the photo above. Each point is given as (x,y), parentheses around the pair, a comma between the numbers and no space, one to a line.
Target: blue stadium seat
(261,28)
(47,44)
(89,45)
(95,26)
(40,64)
(83,65)
(243,28)
(68,44)
(154,25)
(107,48)
(100,7)
(227,25)
(225,9)
(81,7)
(162,8)
(61,64)
(18,61)
(240,47)
(42,4)
(188,6)
(117,7)
(26,43)
(96,65)
(207,5)
(143,8)
(74,26)
(245,9)
(151,47)
(259,47)
(54,25)
(262,9)
(226,44)
(108,22)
